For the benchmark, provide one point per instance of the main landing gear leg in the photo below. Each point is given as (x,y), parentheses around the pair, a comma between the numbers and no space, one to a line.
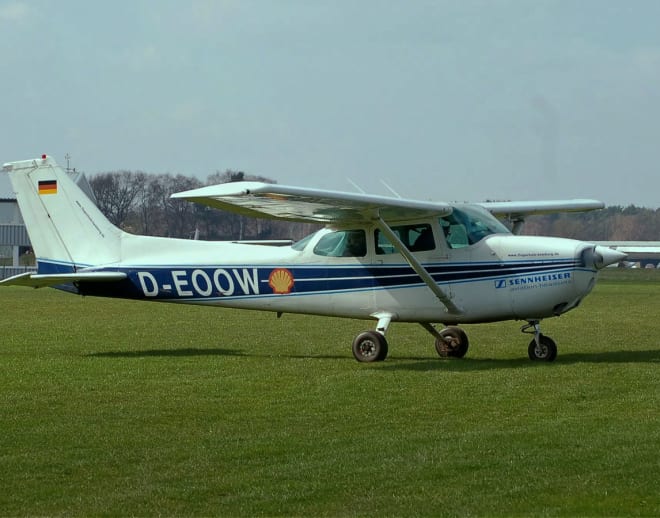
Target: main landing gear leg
(371,346)
(541,348)
(451,342)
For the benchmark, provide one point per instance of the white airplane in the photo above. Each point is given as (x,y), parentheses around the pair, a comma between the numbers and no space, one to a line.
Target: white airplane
(379,258)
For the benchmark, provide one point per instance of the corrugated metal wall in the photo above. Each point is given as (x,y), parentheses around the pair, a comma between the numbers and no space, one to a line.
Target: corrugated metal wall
(14,235)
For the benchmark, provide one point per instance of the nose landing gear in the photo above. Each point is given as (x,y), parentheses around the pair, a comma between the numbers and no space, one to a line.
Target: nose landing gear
(542,348)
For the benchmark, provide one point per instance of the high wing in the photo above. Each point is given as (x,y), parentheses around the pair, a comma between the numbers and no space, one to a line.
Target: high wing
(634,249)
(37,280)
(276,201)
(517,209)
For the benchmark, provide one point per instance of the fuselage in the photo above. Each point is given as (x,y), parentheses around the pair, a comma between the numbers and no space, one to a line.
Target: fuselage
(496,276)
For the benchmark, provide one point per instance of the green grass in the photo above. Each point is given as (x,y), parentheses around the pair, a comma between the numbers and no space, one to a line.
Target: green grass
(114,408)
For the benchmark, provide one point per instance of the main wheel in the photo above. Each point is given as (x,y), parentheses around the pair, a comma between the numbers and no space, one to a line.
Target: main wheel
(370,346)
(454,343)
(544,351)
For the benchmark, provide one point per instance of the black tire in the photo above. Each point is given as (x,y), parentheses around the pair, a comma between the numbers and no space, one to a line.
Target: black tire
(545,351)
(370,346)
(454,344)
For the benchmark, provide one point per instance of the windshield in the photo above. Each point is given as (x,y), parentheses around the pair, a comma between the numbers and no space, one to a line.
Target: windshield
(300,245)
(469,225)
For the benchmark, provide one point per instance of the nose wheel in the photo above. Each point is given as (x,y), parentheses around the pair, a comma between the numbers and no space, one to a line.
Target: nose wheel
(542,348)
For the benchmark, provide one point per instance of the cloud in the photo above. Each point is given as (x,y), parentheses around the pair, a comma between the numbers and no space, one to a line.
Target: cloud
(14,11)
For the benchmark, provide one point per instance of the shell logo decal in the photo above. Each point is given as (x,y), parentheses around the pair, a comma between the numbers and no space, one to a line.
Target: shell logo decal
(281,280)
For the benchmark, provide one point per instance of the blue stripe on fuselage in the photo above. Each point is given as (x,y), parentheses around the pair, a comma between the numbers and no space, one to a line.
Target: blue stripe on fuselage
(185,282)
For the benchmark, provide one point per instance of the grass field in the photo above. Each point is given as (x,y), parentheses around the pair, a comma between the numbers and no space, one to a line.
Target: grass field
(115,408)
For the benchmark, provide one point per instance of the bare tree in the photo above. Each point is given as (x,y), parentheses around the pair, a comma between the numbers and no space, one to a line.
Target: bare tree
(140,203)
(180,215)
(115,193)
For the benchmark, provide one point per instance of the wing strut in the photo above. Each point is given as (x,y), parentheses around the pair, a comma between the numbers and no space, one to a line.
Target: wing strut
(417,266)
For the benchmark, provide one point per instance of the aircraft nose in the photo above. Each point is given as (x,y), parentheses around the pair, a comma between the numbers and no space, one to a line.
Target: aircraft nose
(601,256)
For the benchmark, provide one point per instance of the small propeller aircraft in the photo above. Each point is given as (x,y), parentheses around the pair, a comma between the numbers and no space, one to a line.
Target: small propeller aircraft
(380,258)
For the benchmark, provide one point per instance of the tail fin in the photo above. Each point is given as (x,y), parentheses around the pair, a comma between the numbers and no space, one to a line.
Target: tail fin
(67,230)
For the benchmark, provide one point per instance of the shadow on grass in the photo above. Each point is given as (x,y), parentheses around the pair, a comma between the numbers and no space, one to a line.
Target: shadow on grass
(173,353)
(416,363)
(652,355)
(474,364)
(189,351)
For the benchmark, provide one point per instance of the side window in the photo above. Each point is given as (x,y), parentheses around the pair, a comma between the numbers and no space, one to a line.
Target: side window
(343,243)
(417,238)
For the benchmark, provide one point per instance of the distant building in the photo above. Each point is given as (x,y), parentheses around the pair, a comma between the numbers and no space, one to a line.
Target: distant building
(15,248)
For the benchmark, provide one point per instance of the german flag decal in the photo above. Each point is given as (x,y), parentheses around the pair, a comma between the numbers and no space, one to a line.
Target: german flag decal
(47,186)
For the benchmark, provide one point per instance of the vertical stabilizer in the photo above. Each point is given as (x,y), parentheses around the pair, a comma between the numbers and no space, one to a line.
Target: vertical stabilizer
(66,228)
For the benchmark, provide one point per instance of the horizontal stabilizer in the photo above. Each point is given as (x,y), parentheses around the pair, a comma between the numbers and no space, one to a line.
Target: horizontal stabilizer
(37,280)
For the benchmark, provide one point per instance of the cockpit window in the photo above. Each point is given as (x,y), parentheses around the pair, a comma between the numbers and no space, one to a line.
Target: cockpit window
(417,238)
(469,225)
(342,243)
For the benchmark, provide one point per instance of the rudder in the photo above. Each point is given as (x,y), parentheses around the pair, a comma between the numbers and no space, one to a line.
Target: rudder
(66,229)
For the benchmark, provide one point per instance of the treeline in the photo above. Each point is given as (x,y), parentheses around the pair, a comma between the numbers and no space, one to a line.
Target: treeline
(140,203)
(613,223)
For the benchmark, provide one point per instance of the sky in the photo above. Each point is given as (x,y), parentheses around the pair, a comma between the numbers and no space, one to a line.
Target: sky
(440,100)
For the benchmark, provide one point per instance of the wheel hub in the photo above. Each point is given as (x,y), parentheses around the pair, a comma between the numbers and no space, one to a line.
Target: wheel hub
(367,348)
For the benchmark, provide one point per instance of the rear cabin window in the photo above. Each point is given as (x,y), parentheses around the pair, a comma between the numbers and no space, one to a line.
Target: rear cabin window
(342,243)
(417,238)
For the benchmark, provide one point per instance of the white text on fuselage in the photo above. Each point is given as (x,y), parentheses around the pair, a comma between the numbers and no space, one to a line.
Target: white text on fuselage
(534,281)
(221,282)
